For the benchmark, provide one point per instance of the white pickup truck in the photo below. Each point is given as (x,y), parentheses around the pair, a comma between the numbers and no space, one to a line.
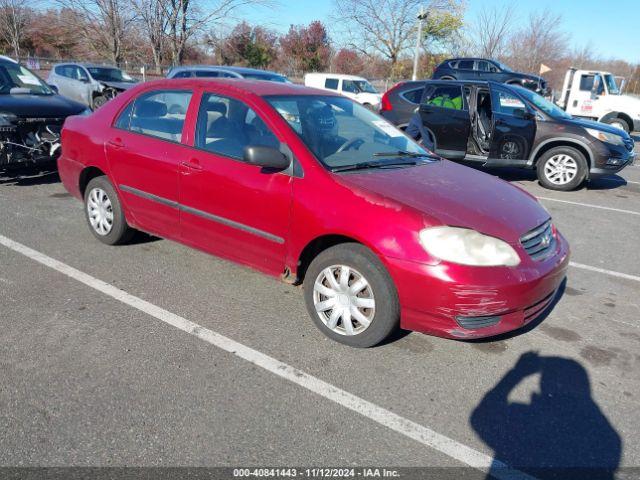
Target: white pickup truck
(595,95)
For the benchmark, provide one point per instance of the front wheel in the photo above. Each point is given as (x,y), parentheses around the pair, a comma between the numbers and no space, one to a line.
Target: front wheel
(351,297)
(104,213)
(99,101)
(562,168)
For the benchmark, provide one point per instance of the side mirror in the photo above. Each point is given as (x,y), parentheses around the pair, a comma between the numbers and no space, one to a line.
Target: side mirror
(266,157)
(54,88)
(84,79)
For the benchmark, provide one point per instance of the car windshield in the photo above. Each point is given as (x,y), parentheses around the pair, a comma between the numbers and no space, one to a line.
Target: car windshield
(365,86)
(266,77)
(612,86)
(15,79)
(542,103)
(110,74)
(342,133)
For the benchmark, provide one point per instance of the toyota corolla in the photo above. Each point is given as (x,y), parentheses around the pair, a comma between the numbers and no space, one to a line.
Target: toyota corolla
(314,189)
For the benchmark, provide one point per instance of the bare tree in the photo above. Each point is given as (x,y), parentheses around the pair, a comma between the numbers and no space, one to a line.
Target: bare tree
(491,30)
(14,19)
(541,40)
(104,23)
(384,27)
(188,18)
(153,22)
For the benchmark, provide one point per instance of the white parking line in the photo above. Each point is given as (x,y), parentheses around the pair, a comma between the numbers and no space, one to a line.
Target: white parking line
(626,276)
(620,210)
(384,417)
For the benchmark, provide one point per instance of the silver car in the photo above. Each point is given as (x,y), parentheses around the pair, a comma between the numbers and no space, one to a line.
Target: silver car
(91,84)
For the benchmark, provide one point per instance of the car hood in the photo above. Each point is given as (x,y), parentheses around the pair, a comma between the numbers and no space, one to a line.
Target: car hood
(597,125)
(119,85)
(452,194)
(40,106)
(533,78)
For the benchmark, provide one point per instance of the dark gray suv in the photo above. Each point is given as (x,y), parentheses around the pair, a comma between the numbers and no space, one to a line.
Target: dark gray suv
(489,70)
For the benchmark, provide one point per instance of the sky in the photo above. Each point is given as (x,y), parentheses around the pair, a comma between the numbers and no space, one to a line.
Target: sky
(611,27)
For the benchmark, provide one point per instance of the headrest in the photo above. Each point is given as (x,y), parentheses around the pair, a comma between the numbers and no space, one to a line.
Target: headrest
(219,107)
(150,109)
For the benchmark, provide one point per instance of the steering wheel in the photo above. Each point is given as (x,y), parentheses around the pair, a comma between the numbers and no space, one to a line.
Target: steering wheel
(354,142)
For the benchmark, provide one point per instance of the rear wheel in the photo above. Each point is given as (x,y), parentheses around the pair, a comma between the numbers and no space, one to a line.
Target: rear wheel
(620,123)
(350,296)
(104,213)
(562,168)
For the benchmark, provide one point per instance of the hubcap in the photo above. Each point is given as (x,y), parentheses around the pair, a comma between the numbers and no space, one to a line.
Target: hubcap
(343,300)
(100,211)
(510,150)
(561,169)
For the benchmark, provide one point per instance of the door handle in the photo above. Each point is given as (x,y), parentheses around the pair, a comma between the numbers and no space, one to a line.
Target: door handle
(192,164)
(116,143)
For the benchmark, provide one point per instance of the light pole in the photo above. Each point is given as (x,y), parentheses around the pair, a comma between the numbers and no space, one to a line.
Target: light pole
(422,16)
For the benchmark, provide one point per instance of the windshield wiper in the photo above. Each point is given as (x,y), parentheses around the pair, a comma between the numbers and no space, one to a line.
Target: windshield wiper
(403,153)
(367,165)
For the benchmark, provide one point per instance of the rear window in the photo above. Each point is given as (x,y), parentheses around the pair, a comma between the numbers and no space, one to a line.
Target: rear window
(331,83)
(414,95)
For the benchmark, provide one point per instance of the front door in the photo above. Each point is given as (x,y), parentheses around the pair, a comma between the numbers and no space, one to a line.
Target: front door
(143,150)
(445,113)
(514,128)
(228,207)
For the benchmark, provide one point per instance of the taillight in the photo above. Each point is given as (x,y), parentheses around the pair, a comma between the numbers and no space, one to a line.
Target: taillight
(385,103)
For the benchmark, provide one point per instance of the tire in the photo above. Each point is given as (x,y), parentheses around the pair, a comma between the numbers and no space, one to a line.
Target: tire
(621,123)
(99,101)
(101,199)
(378,300)
(562,168)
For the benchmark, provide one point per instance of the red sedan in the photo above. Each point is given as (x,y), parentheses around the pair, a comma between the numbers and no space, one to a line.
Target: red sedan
(313,188)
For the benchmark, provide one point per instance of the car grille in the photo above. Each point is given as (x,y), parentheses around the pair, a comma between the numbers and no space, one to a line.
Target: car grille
(628,143)
(540,242)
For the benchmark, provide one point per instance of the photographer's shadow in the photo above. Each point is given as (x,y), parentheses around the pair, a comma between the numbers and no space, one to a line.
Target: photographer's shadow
(560,434)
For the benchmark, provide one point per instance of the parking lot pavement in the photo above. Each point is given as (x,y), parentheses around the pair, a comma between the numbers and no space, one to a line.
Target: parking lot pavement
(91,380)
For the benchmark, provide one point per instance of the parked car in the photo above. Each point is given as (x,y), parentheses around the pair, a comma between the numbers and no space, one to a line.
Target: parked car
(489,70)
(31,116)
(508,125)
(401,101)
(356,88)
(595,95)
(91,84)
(214,71)
(313,188)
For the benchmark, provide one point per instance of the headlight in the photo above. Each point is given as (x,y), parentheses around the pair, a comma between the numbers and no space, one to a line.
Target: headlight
(7,119)
(605,136)
(467,247)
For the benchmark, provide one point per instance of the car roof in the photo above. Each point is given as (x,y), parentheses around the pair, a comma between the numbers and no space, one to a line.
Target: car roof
(464,82)
(86,64)
(260,88)
(470,58)
(343,76)
(218,68)
(4,59)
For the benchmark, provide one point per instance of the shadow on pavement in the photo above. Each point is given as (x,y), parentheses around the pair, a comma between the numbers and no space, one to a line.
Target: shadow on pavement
(559,434)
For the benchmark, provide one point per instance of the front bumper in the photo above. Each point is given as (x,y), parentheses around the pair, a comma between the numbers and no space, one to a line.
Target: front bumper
(609,159)
(437,299)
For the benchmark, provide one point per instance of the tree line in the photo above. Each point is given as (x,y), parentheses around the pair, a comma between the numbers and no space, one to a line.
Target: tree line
(371,38)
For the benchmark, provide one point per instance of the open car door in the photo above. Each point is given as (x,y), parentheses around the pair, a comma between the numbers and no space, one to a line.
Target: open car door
(514,128)
(445,113)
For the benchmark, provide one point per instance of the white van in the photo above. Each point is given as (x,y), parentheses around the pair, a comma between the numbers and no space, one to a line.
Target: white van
(356,88)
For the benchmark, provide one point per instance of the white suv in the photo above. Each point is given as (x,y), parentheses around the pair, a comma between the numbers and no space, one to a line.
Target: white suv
(356,88)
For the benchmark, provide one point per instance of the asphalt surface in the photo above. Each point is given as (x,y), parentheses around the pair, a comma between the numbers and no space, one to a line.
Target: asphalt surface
(88,380)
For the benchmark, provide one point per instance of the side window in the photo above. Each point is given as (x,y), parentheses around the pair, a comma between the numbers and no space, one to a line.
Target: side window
(206,74)
(445,97)
(453,65)
(586,82)
(183,74)
(413,96)
(60,70)
(226,126)
(124,118)
(505,102)
(78,73)
(483,66)
(331,83)
(158,114)
(465,65)
(349,86)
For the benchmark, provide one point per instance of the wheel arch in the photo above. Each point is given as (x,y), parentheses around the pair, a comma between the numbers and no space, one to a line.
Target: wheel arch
(86,175)
(561,142)
(318,245)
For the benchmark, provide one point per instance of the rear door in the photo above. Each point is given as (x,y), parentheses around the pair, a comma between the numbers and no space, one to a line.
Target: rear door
(144,150)
(465,70)
(445,112)
(514,128)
